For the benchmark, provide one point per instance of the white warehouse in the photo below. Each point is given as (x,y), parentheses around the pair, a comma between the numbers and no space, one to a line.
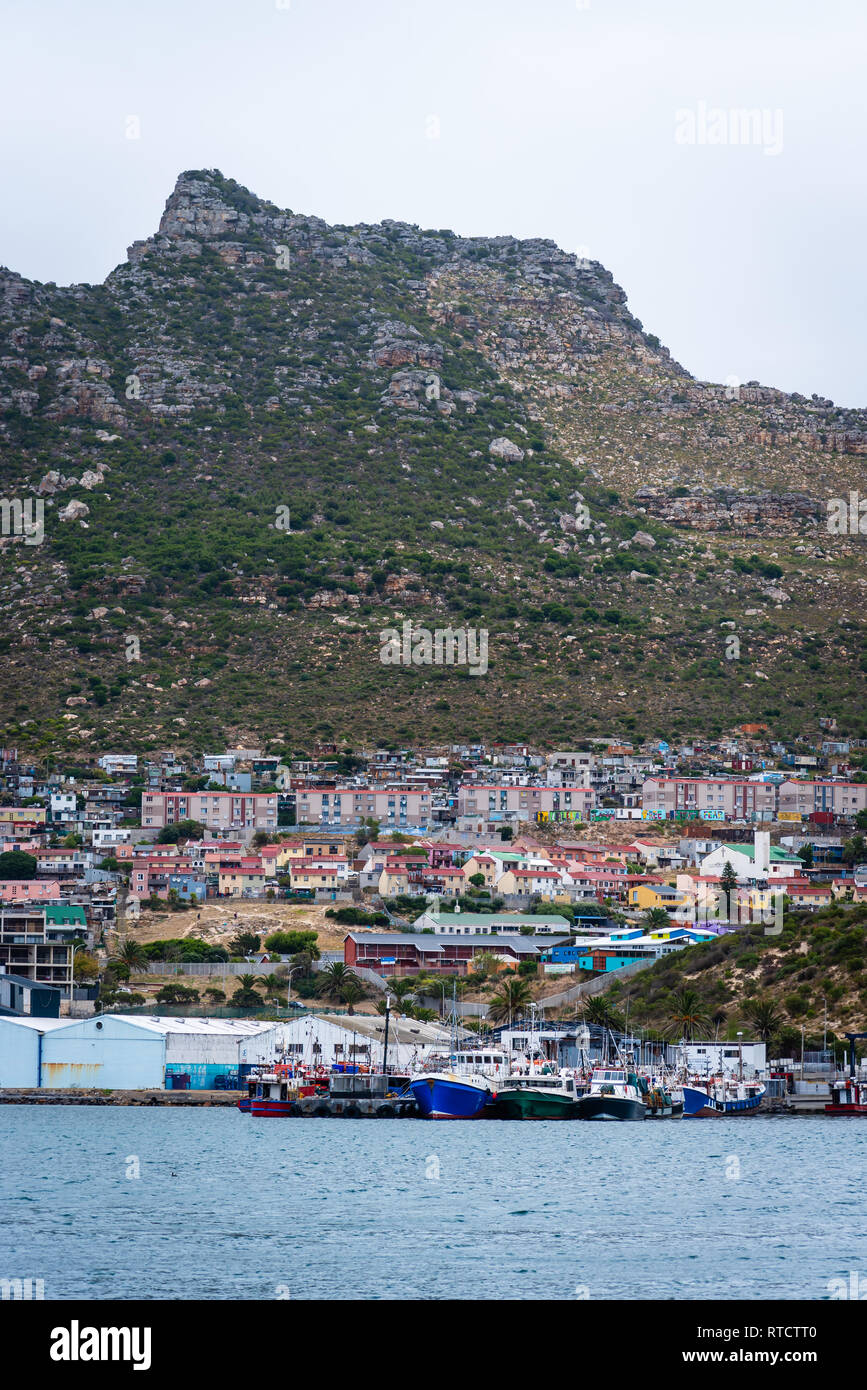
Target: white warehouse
(345,1038)
(118,1052)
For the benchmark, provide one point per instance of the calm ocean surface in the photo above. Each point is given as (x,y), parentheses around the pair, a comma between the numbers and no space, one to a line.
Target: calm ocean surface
(228,1207)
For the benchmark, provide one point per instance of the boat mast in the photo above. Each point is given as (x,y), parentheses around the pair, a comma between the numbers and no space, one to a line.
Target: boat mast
(385,1039)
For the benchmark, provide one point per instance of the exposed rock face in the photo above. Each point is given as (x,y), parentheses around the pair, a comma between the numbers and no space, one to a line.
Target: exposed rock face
(398,343)
(428,405)
(505,449)
(74,511)
(727,510)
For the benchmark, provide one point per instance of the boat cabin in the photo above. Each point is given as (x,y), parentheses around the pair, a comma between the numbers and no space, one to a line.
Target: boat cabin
(542,1083)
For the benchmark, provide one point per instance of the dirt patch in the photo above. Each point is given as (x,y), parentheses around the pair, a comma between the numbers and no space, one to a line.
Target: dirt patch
(218,922)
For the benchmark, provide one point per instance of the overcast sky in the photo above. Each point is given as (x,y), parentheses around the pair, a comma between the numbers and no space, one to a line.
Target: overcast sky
(596,124)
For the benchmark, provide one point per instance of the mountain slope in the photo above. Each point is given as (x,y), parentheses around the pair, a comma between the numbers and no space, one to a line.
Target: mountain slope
(289,437)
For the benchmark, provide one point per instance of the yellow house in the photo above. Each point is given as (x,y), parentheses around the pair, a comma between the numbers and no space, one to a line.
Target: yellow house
(394,882)
(306,875)
(483,864)
(234,881)
(288,852)
(646,896)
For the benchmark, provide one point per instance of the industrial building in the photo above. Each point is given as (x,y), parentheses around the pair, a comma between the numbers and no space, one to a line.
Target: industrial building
(21,1043)
(345,1039)
(21,995)
(121,1053)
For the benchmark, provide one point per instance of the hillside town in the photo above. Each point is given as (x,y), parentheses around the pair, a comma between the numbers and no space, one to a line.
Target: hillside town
(591,860)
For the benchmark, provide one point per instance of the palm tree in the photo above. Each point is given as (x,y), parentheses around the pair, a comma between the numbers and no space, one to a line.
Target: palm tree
(656,917)
(336,974)
(510,997)
(601,1011)
(132,953)
(764,1017)
(718,1018)
(687,1017)
(245,995)
(350,993)
(401,987)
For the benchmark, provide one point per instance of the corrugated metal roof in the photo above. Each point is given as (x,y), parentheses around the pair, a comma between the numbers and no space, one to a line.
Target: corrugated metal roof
(158,1024)
(40,1025)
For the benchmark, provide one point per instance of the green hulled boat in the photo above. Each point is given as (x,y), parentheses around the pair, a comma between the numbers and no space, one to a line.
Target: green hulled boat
(537,1098)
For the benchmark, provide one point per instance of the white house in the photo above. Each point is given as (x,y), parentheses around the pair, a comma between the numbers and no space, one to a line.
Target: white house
(713,1058)
(64,806)
(757,862)
(112,763)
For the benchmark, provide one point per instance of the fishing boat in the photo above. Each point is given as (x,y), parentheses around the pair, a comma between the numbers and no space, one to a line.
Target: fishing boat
(848,1097)
(274,1094)
(614,1094)
(721,1095)
(451,1095)
(538,1097)
(245,1101)
(663,1101)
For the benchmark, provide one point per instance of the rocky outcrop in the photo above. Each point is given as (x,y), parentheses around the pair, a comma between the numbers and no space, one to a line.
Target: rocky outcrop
(74,511)
(727,509)
(505,449)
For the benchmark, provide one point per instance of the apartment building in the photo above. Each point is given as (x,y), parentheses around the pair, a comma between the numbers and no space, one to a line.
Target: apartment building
(223,811)
(38,942)
(392,807)
(492,806)
(836,798)
(709,798)
(569,769)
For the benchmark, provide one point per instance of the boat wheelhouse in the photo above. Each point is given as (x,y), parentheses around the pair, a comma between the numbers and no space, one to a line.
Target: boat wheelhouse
(614,1094)
(274,1094)
(721,1096)
(848,1097)
(538,1097)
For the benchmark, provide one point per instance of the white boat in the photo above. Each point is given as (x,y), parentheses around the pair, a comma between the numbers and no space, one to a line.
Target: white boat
(615,1093)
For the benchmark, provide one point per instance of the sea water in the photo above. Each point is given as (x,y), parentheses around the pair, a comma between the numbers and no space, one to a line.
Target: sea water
(159,1203)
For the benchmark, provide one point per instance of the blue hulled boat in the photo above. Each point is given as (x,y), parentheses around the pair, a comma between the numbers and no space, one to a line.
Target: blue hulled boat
(444,1095)
(721,1097)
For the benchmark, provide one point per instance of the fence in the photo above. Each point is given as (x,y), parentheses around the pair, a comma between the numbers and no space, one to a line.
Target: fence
(598,985)
(211,967)
(265,1014)
(585,990)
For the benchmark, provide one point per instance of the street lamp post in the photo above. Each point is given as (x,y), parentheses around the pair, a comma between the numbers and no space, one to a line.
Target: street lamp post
(294,971)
